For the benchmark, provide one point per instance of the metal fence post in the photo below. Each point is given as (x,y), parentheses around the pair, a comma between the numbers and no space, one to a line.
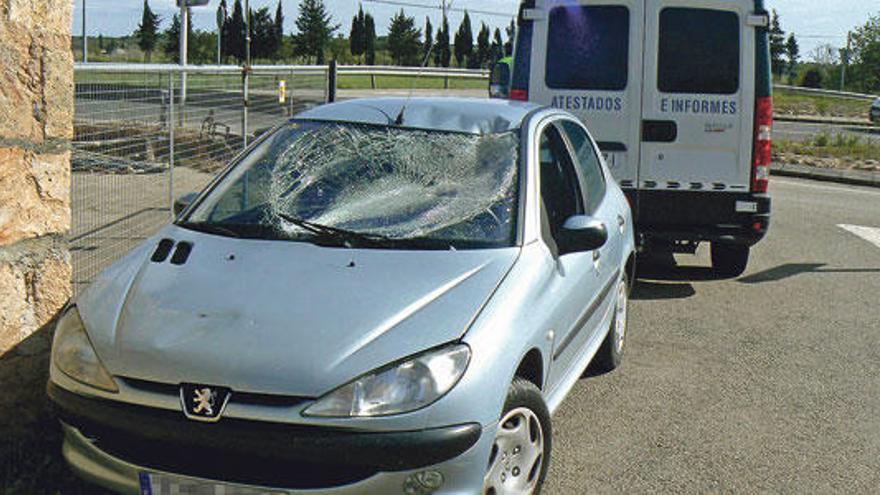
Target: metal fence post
(331,82)
(171,144)
(245,82)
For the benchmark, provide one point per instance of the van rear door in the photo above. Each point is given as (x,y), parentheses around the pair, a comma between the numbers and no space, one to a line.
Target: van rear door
(698,102)
(587,59)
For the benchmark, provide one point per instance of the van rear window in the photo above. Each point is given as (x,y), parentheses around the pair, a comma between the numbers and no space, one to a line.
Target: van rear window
(588,48)
(699,51)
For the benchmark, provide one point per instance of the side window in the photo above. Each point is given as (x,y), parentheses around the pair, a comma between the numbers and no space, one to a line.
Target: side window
(560,192)
(588,164)
(699,51)
(588,48)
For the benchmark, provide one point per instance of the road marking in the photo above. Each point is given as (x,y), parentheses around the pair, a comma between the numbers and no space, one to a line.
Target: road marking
(854,189)
(870,234)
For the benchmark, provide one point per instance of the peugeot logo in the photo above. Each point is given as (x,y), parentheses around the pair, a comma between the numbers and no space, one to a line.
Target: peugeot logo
(203,402)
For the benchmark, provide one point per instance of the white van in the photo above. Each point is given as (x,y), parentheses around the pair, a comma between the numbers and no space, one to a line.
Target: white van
(678,95)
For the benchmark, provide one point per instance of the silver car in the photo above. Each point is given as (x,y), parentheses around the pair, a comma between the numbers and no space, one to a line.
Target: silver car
(379,296)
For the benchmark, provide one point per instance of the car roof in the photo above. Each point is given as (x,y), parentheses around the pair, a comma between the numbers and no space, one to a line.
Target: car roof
(469,115)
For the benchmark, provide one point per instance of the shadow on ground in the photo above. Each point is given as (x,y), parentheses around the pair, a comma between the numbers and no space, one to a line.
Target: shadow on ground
(30,437)
(789,270)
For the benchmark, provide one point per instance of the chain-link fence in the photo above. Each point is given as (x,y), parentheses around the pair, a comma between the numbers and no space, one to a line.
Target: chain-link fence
(146,134)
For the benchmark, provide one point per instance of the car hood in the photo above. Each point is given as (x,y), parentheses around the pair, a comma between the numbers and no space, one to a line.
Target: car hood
(281,317)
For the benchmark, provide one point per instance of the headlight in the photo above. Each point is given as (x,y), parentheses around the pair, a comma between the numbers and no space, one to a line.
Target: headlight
(399,388)
(73,354)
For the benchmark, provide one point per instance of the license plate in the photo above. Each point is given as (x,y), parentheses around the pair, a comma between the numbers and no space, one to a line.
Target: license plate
(162,484)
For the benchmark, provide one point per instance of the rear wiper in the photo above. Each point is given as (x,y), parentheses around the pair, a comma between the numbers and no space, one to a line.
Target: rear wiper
(334,232)
(210,228)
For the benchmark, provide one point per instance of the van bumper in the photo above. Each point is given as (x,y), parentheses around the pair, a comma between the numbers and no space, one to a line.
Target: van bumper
(695,216)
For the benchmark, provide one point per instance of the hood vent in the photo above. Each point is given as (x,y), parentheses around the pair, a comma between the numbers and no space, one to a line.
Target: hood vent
(182,253)
(162,251)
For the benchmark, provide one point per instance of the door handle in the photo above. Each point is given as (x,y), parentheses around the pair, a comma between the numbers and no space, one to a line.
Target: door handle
(659,131)
(596,255)
(621,221)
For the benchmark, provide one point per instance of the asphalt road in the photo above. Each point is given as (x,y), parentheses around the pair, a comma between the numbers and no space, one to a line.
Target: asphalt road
(765,383)
(798,131)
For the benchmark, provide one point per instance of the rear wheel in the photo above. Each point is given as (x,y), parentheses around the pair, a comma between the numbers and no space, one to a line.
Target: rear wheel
(729,260)
(521,450)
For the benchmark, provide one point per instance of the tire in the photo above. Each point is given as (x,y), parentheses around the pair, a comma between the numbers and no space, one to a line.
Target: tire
(610,355)
(729,260)
(518,462)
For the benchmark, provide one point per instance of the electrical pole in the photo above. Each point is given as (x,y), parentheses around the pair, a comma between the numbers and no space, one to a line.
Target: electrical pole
(221,20)
(184,38)
(845,62)
(85,38)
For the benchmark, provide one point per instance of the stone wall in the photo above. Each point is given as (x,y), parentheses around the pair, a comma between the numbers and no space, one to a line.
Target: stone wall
(36,126)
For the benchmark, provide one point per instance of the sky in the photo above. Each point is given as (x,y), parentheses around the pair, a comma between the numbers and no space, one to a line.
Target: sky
(814,22)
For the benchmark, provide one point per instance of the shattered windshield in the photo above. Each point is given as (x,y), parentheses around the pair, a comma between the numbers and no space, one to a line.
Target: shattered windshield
(370,186)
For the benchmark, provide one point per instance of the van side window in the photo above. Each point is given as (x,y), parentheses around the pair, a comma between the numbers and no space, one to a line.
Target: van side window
(560,191)
(588,164)
(588,48)
(699,51)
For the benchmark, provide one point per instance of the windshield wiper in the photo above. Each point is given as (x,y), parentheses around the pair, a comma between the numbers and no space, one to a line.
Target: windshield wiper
(333,232)
(209,228)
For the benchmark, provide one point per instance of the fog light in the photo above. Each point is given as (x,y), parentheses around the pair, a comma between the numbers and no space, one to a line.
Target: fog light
(423,483)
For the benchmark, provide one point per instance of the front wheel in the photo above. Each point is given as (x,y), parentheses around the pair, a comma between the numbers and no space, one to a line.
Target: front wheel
(521,450)
(729,260)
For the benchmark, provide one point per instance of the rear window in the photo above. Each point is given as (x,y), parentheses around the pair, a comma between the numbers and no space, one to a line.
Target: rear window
(699,51)
(588,48)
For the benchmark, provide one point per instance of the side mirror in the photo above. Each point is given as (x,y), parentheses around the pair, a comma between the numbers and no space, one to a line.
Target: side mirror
(183,202)
(582,233)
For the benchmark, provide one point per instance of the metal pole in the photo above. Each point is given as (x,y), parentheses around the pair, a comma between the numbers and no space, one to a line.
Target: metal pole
(844,63)
(331,81)
(184,38)
(171,144)
(85,37)
(246,80)
(219,36)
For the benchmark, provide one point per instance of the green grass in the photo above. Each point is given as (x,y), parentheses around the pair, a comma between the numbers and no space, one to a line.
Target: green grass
(790,103)
(826,145)
(407,82)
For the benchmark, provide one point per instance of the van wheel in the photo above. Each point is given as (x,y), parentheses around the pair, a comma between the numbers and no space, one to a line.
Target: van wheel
(611,353)
(521,450)
(729,260)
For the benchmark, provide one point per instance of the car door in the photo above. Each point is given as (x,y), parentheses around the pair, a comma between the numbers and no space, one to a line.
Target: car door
(697,127)
(576,278)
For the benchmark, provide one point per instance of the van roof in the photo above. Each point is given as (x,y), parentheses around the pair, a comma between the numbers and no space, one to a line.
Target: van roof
(470,115)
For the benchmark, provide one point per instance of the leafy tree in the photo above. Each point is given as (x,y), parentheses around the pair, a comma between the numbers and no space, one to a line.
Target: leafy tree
(358,39)
(278,30)
(147,33)
(315,28)
(483,54)
(224,29)
(262,34)
(442,53)
(404,40)
(429,40)
(511,35)
(497,47)
(233,33)
(171,42)
(792,52)
(812,78)
(777,45)
(464,41)
(369,40)
(864,57)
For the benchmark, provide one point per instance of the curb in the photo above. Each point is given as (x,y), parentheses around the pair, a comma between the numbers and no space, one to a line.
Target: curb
(822,120)
(851,177)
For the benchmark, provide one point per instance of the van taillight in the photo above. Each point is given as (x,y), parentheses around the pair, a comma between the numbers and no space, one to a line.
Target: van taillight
(763,146)
(519,94)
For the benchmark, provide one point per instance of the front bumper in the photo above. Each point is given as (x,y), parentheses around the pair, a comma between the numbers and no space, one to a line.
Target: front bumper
(111,444)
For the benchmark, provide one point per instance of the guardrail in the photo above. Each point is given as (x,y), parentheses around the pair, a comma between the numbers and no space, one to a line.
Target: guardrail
(826,92)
